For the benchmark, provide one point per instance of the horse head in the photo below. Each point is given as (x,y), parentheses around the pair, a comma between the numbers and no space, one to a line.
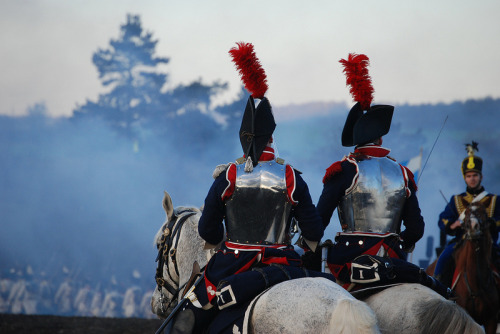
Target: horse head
(178,244)
(476,224)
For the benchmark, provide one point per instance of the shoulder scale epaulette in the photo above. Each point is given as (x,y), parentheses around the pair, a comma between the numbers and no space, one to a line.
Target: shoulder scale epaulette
(241,160)
(220,169)
(280,161)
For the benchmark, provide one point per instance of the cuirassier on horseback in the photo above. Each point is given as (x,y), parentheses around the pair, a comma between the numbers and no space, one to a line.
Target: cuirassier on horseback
(256,198)
(374,195)
(303,305)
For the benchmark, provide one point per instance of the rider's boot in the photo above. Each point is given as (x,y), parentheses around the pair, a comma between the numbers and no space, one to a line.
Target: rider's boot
(184,321)
(446,276)
(435,285)
(191,319)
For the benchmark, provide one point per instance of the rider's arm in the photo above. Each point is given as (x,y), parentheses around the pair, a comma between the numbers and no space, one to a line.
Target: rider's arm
(210,226)
(305,212)
(412,220)
(334,188)
(448,217)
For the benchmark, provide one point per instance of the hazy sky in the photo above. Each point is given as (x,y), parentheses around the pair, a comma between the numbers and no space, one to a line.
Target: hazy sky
(420,51)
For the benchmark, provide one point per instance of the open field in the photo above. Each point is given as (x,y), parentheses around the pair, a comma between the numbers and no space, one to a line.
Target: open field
(47,324)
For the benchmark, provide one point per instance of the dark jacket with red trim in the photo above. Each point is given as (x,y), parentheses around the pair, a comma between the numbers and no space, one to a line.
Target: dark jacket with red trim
(235,258)
(338,178)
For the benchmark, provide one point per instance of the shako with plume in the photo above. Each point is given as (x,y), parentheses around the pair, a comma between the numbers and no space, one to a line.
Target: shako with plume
(472,163)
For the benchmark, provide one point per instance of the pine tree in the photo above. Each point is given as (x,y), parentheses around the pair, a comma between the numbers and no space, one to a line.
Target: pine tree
(129,67)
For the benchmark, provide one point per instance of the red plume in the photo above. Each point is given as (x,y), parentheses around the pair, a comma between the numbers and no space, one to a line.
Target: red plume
(248,65)
(356,71)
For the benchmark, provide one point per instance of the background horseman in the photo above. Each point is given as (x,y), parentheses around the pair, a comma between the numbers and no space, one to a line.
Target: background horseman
(450,220)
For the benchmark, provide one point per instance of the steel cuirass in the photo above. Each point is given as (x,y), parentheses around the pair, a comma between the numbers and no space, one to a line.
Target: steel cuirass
(376,202)
(258,212)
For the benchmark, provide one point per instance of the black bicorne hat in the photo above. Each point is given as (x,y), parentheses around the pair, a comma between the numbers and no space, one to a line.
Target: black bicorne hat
(361,127)
(472,163)
(257,127)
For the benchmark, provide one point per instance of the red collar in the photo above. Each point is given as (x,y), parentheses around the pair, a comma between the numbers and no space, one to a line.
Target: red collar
(372,151)
(267,154)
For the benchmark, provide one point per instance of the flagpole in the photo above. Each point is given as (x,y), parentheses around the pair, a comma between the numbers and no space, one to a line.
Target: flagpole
(418,180)
(420,161)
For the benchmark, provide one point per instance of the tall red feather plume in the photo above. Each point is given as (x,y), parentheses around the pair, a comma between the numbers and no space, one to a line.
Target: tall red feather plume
(356,71)
(248,65)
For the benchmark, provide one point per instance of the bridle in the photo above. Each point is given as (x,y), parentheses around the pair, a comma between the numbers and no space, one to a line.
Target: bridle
(479,219)
(476,236)
(167,249)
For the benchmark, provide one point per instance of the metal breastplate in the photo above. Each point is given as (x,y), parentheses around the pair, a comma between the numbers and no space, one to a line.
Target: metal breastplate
(258,212)
(376,202)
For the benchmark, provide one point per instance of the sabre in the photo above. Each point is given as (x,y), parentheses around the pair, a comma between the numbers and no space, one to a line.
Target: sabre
(324,255)
(444,197)
(196,270)
(432,149)
(425,164)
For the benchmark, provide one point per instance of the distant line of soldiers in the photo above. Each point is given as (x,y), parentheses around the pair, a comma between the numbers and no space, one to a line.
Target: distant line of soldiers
(35,294)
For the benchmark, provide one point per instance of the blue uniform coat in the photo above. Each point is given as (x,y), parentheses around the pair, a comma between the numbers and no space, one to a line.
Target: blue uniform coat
(338,179)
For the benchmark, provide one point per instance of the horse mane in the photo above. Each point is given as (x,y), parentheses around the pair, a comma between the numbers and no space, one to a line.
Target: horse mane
(176,211)
(432,312)
(180,209)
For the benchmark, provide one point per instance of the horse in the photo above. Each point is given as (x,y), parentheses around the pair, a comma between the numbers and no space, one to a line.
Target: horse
(315,305)
(304,305)
(474,282)
(414,308)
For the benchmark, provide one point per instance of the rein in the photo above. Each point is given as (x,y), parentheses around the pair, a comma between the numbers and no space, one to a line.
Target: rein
(167,249)
(477,240)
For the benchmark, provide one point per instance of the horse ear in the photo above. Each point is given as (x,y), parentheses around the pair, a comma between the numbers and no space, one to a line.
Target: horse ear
(167,205)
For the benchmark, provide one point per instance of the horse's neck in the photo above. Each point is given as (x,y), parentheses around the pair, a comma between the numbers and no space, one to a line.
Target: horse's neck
(190,249)
(474,257)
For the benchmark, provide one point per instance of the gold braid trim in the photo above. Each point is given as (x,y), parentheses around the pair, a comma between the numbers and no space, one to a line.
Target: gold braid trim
(459,203)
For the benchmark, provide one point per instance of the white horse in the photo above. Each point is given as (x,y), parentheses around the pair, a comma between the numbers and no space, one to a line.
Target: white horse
(414,308)
(305,305)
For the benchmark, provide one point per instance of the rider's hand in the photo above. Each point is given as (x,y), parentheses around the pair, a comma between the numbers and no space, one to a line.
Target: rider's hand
(408,248)
(456,224)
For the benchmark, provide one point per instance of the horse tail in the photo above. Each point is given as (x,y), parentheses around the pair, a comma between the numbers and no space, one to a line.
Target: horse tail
(352,316)
(432,313)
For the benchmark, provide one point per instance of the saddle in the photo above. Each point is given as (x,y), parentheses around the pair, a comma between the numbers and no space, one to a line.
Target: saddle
(371,274)
(363,291)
